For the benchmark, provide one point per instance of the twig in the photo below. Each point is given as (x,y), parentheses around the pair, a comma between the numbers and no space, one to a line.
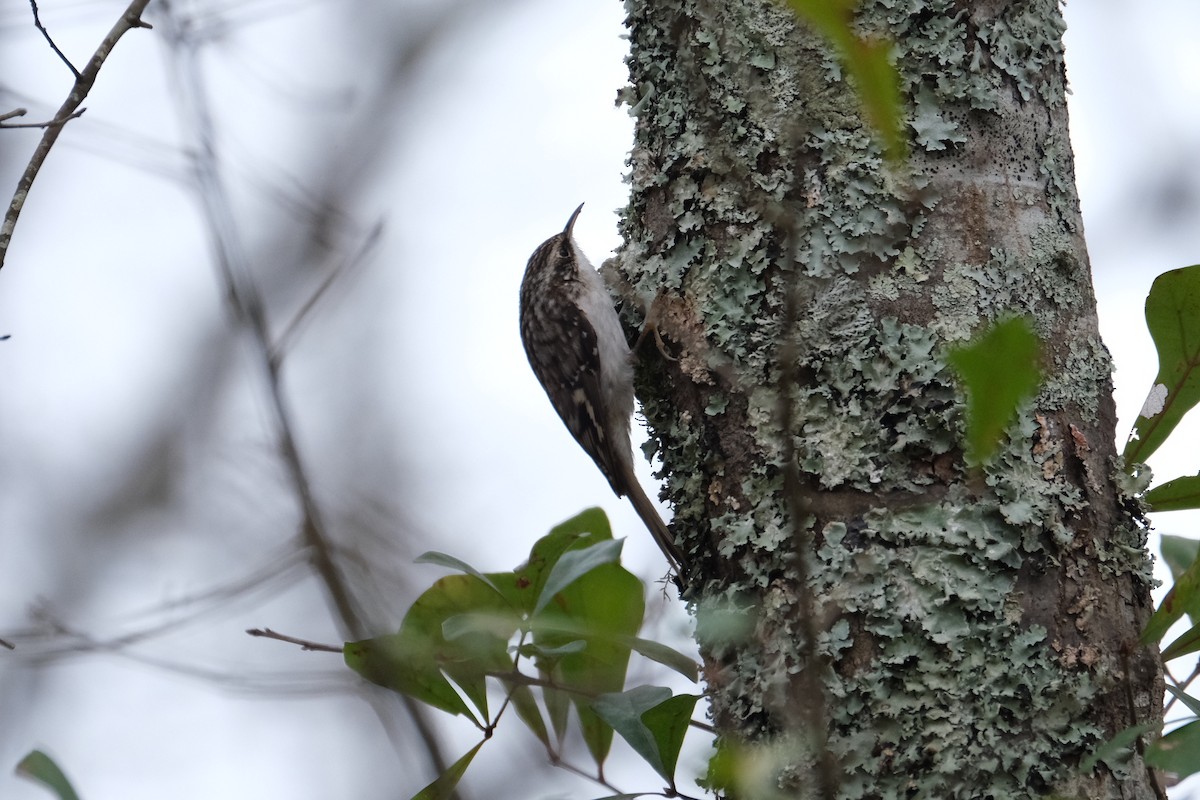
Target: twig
(16,112)
(37,21)
(267,633)
(132,18)
(56,122)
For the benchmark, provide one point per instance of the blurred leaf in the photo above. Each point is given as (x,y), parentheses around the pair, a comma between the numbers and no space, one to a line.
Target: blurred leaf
(576,563)
(39,767)
(532,650)
(1180,494)
(1179,552)
(1118,749)
(600,607)
(445,783)
(396,662)
(652,721)
(1192,703)
(1173,317)
(526,705)
(584,529)
(417,660)
(667,656)
(497,625)
(867,63)
(1178,751)
(623,711)
(450,562)
(999,371)
(558,708)
(1182,598)
(721,777)
(1188,642)
(668,722)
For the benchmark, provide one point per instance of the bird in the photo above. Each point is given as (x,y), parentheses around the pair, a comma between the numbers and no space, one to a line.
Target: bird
(577,349)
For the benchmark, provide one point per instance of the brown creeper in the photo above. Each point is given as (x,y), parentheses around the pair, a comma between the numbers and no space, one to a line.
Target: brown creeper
(579,354)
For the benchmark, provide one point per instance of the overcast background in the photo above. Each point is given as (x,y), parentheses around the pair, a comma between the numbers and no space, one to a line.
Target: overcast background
(420,150)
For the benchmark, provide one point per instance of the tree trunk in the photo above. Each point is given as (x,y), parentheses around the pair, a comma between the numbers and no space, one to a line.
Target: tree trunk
(976,627)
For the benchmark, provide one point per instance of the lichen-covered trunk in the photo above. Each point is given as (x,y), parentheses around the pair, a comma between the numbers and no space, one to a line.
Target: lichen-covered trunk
(977,627)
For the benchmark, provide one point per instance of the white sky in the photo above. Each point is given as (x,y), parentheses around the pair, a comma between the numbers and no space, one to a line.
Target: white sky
(409,377)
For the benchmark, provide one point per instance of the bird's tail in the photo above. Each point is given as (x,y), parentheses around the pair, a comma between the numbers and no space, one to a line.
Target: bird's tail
(654,523)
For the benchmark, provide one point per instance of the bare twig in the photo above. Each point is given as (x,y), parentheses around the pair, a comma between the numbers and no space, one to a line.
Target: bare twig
(37,21)
(132,18)
(16,112)
(267,633)
(57,122)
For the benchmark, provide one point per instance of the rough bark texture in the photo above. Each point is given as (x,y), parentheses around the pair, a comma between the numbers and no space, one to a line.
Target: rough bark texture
(979,626)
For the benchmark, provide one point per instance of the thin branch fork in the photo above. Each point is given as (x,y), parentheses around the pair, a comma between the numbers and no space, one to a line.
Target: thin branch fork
(132,18)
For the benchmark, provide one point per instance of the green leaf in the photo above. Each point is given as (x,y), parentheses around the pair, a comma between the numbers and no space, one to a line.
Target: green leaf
(1117,750)
(623,711)
(1188,642)
(999,371)
(867,62)
(450,562)
(1192,703)
(39,767)
(1178,751)
(558,708)
(585,529)
(526,705)
(668,723)
(1177,495)
(532,650)
(652,721)
(1183,598)
(1179,552)
(599,607)
(576,563)
(1173,317)
(445,783)
(667,656)
(417,660)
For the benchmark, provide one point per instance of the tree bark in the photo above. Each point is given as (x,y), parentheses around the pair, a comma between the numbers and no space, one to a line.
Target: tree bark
(976,628)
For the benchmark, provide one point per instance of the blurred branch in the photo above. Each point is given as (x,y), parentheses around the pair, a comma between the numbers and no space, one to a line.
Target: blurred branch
(246,302)
(132,18)
(313,682)
(42,642)
(357,257)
